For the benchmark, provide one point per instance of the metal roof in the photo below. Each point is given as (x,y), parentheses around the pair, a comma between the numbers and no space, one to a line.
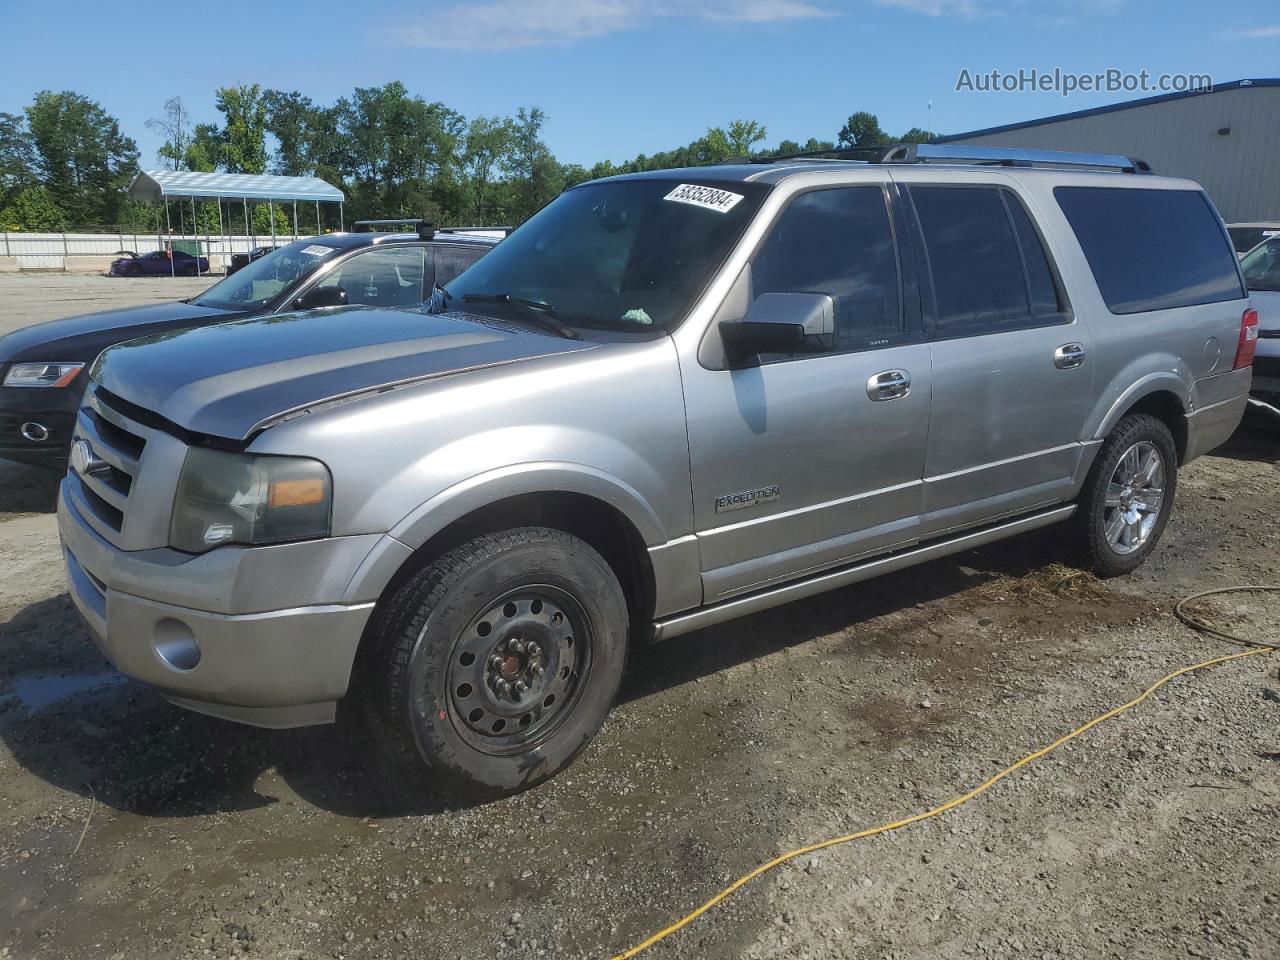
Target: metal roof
(161,184)
(1113,107)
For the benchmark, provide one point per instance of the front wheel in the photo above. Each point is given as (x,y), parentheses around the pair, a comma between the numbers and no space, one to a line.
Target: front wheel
(497,663)
(1128,495)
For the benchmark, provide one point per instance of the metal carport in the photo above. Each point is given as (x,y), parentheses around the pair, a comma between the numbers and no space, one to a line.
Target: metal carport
(161,186)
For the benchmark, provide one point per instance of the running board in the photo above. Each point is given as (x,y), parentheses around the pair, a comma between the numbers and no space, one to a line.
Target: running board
(684,623)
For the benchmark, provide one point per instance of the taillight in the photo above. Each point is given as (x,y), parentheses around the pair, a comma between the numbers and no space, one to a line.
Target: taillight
(1248,339)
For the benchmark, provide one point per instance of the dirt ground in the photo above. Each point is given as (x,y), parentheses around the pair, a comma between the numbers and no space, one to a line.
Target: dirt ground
(129,828)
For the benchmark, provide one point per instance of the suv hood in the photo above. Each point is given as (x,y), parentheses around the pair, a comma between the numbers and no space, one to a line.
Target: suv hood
(230,379)
(80,337)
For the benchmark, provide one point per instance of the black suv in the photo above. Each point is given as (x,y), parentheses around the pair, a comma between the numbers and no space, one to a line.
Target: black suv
(42,367)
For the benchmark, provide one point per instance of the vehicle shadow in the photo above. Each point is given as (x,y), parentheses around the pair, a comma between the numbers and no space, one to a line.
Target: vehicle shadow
(1256,439)
(26,489)
(71,720)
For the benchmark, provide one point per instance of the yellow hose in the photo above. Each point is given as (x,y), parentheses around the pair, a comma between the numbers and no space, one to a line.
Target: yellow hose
(1179,610)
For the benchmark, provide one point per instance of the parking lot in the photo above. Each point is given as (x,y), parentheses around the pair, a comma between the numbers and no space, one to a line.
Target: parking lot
(131,828)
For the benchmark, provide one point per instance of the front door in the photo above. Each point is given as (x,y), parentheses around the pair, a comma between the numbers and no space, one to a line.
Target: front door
(807,461)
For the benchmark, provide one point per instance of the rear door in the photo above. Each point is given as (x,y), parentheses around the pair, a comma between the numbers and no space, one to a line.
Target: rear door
(1011,375)
(806,461)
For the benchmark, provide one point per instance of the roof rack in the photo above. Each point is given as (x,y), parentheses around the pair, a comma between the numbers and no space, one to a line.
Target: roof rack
(961,153)
(1010,157)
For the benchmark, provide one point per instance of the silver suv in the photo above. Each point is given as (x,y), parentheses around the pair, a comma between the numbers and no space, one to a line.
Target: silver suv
(667,400)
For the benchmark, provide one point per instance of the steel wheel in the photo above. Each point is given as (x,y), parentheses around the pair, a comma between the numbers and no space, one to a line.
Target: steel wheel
(517,669)
(1134,496)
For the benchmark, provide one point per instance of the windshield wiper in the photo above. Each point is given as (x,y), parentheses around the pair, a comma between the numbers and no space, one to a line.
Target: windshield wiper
(538,312)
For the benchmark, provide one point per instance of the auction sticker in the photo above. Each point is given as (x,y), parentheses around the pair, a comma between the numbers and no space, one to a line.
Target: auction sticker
(317,250)
(721,201)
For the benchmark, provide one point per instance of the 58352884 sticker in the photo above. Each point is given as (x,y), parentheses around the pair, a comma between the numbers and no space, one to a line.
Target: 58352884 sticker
(709,198)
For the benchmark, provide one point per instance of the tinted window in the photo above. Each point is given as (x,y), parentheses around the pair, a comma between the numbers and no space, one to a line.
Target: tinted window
(837,242)
(1040,282)
(451,260)
(974,258)
(381,278)
(1152,249)
(1261,267)
(1246,238)
(263,278)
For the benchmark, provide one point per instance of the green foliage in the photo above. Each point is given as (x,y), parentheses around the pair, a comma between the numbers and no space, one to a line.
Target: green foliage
(393,153)
(244,128)
(862,129)
(916,135)
(34,210)
(81,155)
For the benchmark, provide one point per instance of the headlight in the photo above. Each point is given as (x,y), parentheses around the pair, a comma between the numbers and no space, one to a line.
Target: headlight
(240,498)
(56,374)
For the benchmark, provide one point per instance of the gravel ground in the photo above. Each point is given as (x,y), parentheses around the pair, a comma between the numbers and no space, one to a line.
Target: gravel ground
(131,828)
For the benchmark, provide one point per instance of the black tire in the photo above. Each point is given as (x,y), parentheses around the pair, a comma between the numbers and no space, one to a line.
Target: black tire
(433,684)
(1097,519)
(133,270)
(189,270)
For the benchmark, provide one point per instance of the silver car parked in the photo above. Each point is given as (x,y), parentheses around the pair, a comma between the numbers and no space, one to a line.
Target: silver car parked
(667,400)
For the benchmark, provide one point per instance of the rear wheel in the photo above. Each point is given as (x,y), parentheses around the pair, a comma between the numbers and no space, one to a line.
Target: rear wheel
(189,270)
(1128,495)
(497,663)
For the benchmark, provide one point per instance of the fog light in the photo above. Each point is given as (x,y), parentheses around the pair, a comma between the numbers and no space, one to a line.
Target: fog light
(35,432)
(176,645)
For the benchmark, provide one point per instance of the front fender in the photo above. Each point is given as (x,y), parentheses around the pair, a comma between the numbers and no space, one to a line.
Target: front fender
(453,503)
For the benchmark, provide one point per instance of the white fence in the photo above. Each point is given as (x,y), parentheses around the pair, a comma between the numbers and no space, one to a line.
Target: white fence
(52,251)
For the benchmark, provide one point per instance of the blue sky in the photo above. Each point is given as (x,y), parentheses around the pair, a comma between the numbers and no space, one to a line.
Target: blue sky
(621,77)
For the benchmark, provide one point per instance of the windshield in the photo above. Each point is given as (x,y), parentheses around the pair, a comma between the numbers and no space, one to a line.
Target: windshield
(261,281)
(1262,266)
(624,255)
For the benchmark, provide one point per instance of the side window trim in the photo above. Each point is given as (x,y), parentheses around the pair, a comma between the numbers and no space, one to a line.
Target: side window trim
(1064,314)
(929,299)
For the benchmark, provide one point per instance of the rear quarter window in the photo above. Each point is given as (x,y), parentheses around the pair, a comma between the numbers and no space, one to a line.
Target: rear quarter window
(1152,249)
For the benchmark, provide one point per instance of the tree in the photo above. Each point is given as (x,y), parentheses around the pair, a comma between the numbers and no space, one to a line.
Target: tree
(297,125)
(862,129)
(175,126)
(916,135)
(743,135)
(81,156)
(536,175)
(244,130)
(17,156)
(32,209)
(206,149)
(487,142)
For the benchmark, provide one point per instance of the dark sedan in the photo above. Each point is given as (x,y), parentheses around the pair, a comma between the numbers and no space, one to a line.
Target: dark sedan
(241,260)
(159,262)
(43,367)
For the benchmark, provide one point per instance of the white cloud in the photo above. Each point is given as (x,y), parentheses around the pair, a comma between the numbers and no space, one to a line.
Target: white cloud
(513,24)
(966,9)
(1255,33)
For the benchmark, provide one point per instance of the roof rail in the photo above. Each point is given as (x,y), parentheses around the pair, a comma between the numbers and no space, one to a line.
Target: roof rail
(1010,157)
(960,153)
(505,229)
(424,228)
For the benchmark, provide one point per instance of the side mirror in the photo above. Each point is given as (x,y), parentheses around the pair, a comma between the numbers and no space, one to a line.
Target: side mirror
(321,297)
(783,323)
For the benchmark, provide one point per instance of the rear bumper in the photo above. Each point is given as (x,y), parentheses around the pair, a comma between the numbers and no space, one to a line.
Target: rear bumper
(278,668)
(1210,426)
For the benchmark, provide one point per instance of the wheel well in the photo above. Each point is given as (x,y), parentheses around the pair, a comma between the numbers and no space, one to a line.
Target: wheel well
(1166,407)
(602,526)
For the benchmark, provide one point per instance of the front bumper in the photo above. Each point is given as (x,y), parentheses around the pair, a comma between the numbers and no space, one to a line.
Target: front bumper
(283,667)
(47,407)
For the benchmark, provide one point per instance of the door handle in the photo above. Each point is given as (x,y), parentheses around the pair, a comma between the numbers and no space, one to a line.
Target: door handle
(1068,356)
(889,385)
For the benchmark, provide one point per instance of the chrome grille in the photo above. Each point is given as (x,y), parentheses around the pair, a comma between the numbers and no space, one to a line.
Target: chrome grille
(118,444)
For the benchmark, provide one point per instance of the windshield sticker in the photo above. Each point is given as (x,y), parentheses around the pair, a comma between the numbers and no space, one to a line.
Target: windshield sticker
(317,250)
(709,198)
(639,316)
